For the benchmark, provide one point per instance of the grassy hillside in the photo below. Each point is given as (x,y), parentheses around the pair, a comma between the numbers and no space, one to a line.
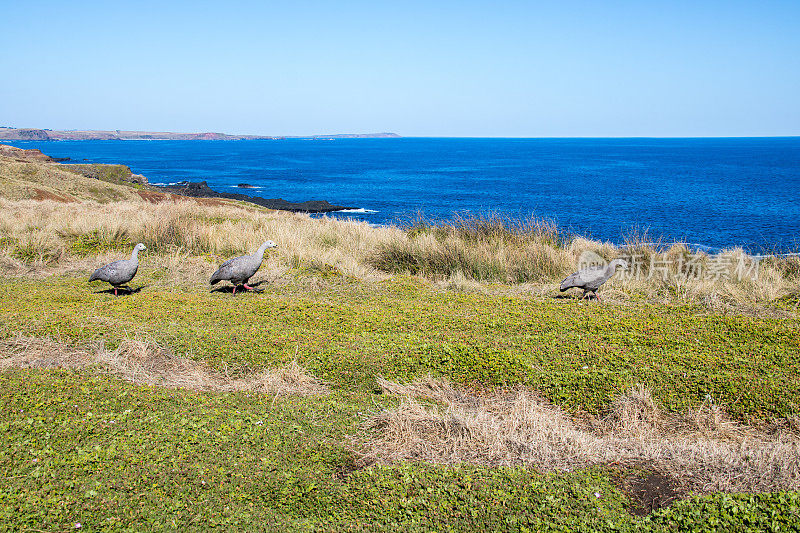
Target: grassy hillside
(22,176)
(461,389)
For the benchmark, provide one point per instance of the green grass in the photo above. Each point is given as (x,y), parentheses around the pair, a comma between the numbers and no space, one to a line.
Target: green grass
(81,447)
(93,450)
(348,332)
(117,174)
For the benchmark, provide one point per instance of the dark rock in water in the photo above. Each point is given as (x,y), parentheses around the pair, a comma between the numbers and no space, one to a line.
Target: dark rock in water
(202,190)
(60,159)
(246,186)
(198,189)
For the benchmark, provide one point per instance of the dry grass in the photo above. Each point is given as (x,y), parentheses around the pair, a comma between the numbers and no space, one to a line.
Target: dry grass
(147,363)
(473,255)
(481,249)
(35,235)
(702,449)
(533,257)
(24,180)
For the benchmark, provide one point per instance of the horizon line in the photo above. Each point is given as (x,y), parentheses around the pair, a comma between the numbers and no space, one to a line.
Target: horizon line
(396,135)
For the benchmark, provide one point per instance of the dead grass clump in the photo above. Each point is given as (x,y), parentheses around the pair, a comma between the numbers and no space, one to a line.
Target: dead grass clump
(479,248)
(33,352)
(458,282)
(288,379)
(702,449)
(147,363)
(494,228)
(635,413)
(788,266)
(427,387)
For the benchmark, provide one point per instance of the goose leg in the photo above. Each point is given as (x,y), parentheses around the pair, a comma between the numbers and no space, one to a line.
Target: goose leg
(248,287)
(115,291)
(585,294)
(234,289)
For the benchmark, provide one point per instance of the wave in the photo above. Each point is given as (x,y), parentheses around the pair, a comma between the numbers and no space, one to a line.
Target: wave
(359,210)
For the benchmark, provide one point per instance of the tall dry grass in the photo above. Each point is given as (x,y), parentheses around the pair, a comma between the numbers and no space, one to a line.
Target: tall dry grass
(702,449)
(38,234)
(478,248)
(534,256)
(529,257)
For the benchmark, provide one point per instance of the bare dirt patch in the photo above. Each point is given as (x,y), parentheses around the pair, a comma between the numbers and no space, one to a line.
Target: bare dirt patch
(702,450)
(155,197)
(39,194)
(648,489)
(147,363)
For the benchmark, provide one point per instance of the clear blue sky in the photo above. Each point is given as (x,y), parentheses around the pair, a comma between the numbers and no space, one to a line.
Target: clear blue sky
(430,68)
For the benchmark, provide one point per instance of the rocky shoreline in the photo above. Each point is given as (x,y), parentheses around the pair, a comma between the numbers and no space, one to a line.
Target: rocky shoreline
(202,190)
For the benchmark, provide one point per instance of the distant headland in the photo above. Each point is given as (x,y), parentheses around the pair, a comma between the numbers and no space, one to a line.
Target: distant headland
(33,134)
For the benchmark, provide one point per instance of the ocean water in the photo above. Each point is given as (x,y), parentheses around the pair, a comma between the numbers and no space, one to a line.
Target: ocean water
(713,192)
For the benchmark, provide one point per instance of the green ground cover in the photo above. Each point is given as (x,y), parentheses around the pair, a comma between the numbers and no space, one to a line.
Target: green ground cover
(347,333)
(93,450)
(85,448)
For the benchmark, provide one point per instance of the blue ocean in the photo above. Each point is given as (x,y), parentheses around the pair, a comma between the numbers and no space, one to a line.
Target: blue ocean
(711,192)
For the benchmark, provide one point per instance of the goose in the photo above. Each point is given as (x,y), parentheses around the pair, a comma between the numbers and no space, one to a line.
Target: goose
(119,273)
(240,269)
(590,279)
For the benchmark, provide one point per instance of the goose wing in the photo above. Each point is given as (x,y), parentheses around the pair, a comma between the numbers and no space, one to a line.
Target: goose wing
(586,278)
(230,269)
(118,272)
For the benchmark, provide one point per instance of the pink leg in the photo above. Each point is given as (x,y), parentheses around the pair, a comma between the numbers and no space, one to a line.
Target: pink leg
(248,287)
(115,291)
(234,290)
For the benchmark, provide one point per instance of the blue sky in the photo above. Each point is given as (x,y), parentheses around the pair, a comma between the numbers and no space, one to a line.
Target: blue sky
(516,69)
